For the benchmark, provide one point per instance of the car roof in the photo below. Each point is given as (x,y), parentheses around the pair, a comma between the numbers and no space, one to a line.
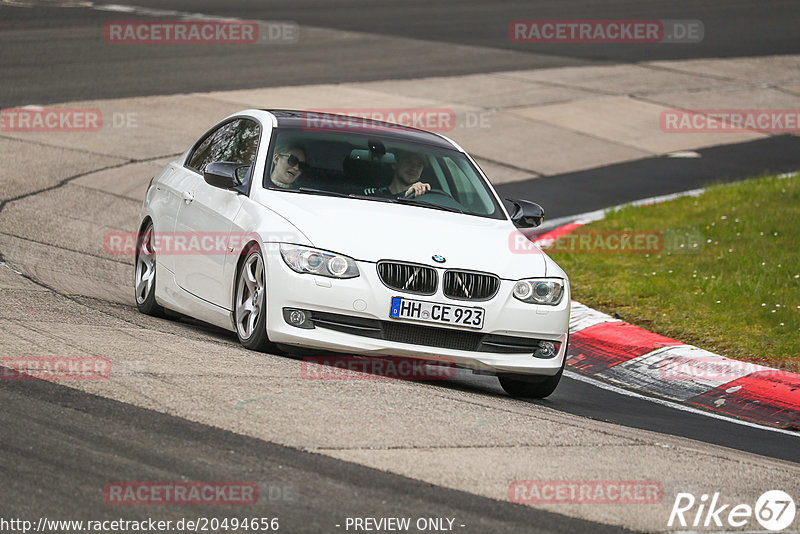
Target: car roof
(289,118)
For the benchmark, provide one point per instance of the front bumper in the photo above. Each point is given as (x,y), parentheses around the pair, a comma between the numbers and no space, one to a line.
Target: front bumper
(368,300)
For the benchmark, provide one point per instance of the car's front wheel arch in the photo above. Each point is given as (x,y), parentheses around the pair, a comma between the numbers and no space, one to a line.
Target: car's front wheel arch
(252,244)
(250,300)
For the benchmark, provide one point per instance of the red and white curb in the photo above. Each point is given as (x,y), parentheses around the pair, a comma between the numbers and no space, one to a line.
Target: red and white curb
(619,352)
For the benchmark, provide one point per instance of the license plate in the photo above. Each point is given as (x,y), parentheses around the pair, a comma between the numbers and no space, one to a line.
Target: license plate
(434,312)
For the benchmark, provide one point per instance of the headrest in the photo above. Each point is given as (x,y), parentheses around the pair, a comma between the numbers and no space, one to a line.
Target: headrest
(367,173)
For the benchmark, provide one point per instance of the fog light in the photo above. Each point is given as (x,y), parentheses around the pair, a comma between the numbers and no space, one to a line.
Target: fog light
(547,349)
(298,318)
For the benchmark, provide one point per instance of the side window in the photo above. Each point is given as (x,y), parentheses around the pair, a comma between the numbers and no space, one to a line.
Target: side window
(235,141)
(202,155)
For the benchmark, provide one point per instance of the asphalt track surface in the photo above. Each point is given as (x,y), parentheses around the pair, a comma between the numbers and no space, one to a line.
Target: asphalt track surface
(59,54)
(584,191)
(66,441)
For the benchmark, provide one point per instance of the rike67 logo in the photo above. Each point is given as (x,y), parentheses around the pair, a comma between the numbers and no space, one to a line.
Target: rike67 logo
(774,510)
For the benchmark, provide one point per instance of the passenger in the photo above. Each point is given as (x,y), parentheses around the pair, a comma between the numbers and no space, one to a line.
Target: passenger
(408,167)
(288,163)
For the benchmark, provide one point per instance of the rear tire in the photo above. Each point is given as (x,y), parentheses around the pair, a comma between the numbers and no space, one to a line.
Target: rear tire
(249,305)
(145,274)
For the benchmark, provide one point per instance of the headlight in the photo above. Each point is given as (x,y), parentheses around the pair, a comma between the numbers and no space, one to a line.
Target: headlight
(314,261)
(544,291)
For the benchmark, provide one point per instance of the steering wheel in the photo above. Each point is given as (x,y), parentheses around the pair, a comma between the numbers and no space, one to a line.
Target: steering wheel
(436,192)
(437,197)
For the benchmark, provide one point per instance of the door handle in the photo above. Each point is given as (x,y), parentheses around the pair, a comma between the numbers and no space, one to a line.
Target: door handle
(188,197)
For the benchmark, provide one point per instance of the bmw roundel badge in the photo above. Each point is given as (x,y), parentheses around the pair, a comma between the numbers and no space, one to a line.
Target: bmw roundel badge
(438,259)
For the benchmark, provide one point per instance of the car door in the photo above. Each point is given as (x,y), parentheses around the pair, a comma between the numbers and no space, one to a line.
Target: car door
(205,217)
(164,202)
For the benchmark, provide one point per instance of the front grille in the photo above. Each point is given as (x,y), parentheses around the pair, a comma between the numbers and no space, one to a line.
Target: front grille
(468,285)
(426,336)
(408,277)
(431,336)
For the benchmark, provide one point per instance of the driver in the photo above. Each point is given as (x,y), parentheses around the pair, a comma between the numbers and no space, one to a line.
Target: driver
(405,182)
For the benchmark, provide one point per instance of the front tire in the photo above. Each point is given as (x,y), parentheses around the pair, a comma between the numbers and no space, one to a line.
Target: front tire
(249,307)
(532,387)
(145,273)
(522,389)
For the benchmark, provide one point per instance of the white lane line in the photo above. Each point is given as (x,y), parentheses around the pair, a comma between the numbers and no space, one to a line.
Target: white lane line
(159,13)
(597,215)
(621,391)
(684,154)
(39,3)
(7,266)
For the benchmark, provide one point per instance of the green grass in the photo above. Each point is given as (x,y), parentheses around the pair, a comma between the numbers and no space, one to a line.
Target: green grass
(732,288)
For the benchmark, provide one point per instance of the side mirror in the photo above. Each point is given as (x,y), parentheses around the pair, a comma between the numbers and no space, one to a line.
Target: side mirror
(226,175)
(526,214)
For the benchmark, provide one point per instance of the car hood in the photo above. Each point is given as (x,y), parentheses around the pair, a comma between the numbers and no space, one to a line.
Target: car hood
(369,230)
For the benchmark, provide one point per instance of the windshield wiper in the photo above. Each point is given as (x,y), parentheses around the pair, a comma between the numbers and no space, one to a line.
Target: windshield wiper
(368,197)
(313,191)
(413,201)
(416,202)
(320,192)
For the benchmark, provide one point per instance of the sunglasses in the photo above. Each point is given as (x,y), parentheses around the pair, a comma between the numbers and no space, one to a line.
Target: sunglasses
(294,161)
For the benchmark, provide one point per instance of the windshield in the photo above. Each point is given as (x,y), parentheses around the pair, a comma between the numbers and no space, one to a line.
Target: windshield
(372,167)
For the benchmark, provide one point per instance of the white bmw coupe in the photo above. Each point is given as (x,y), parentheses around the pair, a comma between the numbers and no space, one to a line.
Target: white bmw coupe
(300,230)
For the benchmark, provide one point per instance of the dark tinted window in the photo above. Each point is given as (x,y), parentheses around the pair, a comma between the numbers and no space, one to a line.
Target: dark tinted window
(344,163)
(235,141)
